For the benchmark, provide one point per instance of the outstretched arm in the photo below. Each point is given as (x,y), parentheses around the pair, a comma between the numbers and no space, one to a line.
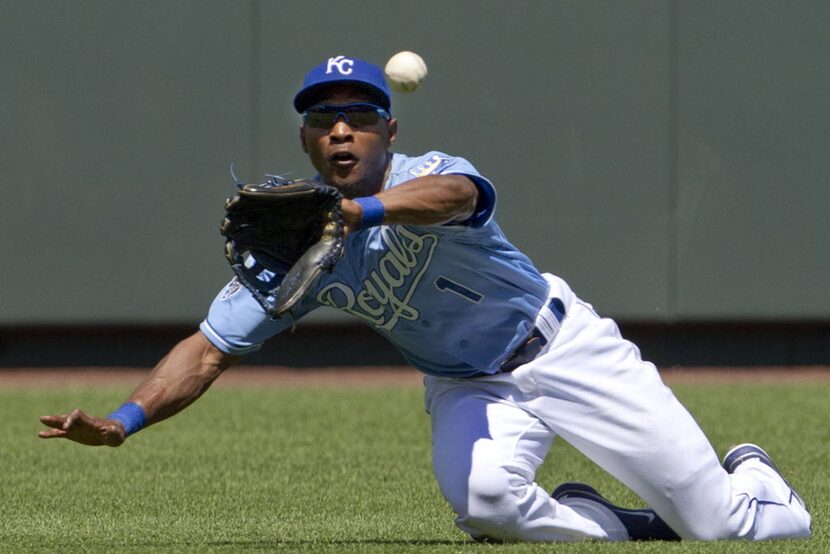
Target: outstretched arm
(176,382)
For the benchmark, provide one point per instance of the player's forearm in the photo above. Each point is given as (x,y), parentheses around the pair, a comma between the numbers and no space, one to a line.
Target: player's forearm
(430,200)
(181,377)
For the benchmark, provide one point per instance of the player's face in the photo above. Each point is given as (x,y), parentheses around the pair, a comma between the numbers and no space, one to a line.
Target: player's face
(350,156)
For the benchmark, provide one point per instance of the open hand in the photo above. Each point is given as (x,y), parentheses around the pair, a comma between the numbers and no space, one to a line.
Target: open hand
(83,428)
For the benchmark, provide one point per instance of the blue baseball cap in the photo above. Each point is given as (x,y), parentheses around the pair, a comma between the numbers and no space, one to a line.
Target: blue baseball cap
(343,70)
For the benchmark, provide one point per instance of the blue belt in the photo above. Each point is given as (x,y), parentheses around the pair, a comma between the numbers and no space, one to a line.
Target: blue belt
(529,349)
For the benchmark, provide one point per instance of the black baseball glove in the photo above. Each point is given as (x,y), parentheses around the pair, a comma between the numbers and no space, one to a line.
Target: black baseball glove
(280,236)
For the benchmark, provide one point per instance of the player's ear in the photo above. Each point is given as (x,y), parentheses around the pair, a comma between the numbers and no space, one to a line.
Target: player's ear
(302,138)
(393,131)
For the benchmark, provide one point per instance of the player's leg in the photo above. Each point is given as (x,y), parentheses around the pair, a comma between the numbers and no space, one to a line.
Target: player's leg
(485,454)
(596,392)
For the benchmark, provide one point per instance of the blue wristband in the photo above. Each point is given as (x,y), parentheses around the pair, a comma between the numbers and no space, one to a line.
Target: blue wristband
(131,415)
(373,211)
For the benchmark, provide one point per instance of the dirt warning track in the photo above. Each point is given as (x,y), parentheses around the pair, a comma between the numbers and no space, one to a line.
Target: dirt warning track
(368,376)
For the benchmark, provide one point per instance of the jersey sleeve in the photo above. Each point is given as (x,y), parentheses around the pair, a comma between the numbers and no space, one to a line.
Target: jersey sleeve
(486,204)
(438,163)
(236,324)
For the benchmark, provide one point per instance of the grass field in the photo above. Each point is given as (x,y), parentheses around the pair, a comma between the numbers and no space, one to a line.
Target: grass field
(323,469)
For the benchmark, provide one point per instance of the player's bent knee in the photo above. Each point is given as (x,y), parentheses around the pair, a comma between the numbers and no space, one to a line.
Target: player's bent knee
(493,524)
(492,506)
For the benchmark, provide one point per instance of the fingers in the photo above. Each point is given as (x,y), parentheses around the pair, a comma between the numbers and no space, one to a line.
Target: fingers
(55,421)
(62,424)
(82,428)
(52,433)
(75,415)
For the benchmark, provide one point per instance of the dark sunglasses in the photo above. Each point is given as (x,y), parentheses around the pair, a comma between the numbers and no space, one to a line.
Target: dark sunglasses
(356,115)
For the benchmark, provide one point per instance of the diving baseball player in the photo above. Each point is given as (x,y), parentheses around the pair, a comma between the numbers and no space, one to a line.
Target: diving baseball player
(512,357)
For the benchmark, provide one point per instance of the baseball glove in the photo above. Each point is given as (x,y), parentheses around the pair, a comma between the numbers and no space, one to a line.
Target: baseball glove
(280,236)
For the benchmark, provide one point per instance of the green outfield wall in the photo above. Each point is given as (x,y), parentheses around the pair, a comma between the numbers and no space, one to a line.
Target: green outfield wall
(670,159)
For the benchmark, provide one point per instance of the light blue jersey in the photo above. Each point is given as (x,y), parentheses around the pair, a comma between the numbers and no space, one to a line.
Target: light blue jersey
(455,299)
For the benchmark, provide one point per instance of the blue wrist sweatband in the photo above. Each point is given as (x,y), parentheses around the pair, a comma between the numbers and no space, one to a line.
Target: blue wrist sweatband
(373,211)
(131,415)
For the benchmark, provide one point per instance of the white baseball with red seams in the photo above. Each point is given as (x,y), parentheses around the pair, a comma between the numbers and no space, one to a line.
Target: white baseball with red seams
(406,71)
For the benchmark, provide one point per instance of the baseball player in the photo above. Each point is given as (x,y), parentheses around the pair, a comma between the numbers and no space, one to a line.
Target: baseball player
(511,356)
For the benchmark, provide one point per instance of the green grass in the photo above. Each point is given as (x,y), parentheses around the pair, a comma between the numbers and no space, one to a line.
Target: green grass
(327,470)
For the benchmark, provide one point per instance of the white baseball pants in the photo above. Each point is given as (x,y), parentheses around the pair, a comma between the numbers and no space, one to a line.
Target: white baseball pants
(590,387)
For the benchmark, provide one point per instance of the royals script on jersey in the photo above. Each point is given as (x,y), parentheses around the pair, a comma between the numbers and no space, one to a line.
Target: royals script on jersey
(455,299)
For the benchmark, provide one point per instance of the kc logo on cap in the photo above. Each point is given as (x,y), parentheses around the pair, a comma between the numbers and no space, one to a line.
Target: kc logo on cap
(366,76)
(341,63)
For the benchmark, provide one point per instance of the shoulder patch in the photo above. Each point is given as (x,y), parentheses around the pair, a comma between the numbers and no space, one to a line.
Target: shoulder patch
(431,166)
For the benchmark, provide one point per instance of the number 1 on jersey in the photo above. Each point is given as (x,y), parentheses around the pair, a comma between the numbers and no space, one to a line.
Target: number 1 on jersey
(448,285)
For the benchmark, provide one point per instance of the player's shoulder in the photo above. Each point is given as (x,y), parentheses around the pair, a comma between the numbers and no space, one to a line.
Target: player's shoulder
(406,168)
(434,162)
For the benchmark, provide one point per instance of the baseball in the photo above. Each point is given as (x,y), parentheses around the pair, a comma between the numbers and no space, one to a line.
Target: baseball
(406,71)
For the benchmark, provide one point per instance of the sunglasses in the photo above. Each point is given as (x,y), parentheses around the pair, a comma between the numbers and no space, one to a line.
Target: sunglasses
(355,115)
